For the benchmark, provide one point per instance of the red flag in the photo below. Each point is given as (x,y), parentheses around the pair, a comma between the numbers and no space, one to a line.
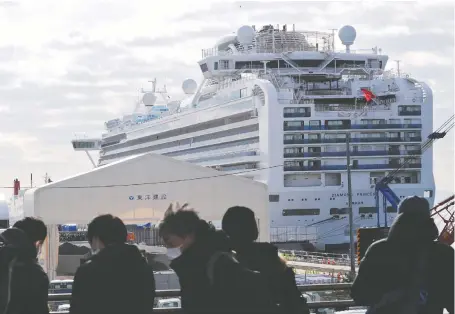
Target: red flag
(368,94)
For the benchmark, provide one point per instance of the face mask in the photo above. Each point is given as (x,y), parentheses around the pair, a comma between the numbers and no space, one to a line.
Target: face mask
(173,253)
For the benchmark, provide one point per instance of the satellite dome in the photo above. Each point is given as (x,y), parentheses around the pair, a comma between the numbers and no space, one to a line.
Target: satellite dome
(246,34)
(347,35)
(149,99)
(189,86)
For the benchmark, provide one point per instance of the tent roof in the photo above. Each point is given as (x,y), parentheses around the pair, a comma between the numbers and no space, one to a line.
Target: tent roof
(139,189)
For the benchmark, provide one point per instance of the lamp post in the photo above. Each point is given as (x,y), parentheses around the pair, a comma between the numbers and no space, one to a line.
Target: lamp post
(351,215)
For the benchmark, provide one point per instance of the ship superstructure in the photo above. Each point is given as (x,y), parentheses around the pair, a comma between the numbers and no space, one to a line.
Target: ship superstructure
(277,105)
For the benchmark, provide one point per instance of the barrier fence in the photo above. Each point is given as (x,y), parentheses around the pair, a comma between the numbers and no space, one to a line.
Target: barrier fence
(338,304)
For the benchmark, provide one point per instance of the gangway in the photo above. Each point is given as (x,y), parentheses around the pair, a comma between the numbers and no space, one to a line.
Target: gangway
(388,194)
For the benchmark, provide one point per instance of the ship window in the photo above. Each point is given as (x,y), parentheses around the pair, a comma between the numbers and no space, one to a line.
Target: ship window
(339,211)
(367,210)
(224,64)
(293,150)
(204,67)
(215,66)
(83,144)
(301,212)
(274,198)
(373,121)
(294,123)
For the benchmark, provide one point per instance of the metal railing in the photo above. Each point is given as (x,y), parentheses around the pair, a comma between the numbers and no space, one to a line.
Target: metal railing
(317,257)
(338,304)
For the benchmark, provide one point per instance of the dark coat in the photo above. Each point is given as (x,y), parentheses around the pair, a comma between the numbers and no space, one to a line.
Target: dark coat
(264,258)
(117,280)
(29,283)
(191,268)
(388,265)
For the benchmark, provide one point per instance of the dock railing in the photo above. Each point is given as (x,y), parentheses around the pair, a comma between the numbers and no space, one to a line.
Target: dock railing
(337,304)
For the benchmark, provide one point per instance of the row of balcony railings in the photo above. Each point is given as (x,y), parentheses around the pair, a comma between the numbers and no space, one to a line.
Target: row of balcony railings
(354,167)
(352,126)
(355,153)
(308,114)
(337,298)
(382,139)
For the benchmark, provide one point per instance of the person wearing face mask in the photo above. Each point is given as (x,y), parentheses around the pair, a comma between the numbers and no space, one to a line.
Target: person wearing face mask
(23,283)
(190,243)
(211,280)
(116,279)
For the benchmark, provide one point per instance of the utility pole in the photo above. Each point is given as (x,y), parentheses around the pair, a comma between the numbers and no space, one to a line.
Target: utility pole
(351,215)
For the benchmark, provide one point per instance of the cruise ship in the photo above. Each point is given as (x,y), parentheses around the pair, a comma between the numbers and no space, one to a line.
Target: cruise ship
(282,106)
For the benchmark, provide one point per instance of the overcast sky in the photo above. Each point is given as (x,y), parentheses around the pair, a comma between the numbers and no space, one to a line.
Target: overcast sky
(68,66)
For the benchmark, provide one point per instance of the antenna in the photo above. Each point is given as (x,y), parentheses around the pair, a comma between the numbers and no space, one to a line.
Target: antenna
(333,38)
(398,67)
(153,84)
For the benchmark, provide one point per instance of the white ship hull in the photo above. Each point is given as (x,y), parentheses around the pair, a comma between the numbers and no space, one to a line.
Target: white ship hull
(285,122)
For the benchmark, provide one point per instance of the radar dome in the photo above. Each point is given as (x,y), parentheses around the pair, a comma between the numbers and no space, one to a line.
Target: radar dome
(149,99)
(189,86)
(246,34)
(347,35)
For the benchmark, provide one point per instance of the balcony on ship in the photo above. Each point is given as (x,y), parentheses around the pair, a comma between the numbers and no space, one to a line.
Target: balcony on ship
(315,165)
(300,126)
(382,139)
(297,112)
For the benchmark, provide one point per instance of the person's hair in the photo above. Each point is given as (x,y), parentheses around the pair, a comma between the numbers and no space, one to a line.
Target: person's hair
(34,228)
(240,224)
(109,229)
(181,223)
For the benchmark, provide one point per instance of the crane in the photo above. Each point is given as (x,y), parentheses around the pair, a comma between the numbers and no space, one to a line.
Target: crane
(444,211)
(383,185)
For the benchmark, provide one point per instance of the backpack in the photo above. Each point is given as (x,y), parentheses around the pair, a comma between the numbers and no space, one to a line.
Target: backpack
(406,300)
(238,289)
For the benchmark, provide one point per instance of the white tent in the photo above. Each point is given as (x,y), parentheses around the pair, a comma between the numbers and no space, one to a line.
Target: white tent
(3,210)
(139,190)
